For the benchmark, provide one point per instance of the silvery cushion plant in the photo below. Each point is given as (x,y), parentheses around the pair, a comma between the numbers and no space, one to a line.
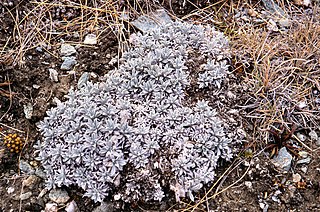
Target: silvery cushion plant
(134,135)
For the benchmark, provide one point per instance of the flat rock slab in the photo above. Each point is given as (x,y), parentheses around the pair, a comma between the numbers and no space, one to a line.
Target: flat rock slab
(59,196)
(283,159)
(152,20)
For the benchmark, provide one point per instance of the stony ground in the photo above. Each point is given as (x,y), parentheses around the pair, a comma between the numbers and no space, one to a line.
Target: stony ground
(273,91)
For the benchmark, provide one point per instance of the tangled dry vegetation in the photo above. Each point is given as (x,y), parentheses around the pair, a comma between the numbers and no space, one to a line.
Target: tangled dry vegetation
(279,67)
(281,70)
(45,22)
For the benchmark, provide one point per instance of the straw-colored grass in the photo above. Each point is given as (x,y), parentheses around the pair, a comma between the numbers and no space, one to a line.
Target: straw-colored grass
(284,75)
(280,71)
(46,22)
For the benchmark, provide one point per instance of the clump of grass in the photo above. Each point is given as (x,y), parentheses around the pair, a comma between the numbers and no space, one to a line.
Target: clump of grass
(284,75)
(280,71)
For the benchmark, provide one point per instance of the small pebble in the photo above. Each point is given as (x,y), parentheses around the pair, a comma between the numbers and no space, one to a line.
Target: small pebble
(36,86)
(117,197)
(67,50)
(59,196)
(252,12)
(283,159)
(10,190)
(105,206)
(26,168)
(39,49)
(28,110)
(303,154)
(76,34)
(33,163)
(305,160)
(51,207)
(25,196)
(248,184)
(313,135)
(302,105)
(284,22)
(30,181)
(272,26)
(72,207)
(296,178)
(304,169)
(90,39)
(301,137)
(68,63)
(53,74)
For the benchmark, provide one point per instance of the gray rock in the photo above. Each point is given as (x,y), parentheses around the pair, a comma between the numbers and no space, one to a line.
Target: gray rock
(53,74)
(83,80)
(72,207)
(59,196)
(264,206)
(39,49)
(283,159)
(67,50)
(305,160)
(273,8)
(152,20)
(51,207)
(304,169)
(313,135)
(105,206)
(284,22)
(248,184)
(10,190)
(28,110)
(302,137)
(275,197)
(31,181)
(318,142)
(68,63)
(296,177)
(40,173)
(26,168)
(90,39)
(25,196)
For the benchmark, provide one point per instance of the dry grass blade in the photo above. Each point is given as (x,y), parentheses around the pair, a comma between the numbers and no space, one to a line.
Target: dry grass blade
(44,22)
(208,196)
(284,68)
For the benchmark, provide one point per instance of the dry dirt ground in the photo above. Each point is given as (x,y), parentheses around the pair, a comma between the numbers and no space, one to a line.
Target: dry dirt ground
(274,74)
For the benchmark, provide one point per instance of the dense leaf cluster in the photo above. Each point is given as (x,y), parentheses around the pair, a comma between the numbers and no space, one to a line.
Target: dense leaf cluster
(133,135)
